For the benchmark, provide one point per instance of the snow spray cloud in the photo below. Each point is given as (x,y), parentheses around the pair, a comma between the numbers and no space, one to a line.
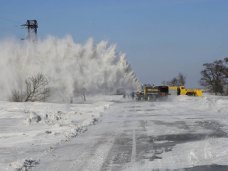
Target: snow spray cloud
(69,67)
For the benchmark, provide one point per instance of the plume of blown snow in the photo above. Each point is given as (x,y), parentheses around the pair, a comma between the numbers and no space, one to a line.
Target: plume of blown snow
(70,67)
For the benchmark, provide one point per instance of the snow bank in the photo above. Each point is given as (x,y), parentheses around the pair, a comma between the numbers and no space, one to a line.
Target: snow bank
(30,130)
(70,67)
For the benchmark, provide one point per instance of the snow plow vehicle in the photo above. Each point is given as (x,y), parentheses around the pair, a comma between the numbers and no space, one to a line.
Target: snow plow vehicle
(181,90)
(149,92)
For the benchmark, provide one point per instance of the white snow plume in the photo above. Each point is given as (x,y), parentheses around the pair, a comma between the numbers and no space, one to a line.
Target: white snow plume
(70,67)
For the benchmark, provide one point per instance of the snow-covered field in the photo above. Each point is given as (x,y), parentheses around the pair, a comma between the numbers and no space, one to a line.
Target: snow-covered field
(181,132)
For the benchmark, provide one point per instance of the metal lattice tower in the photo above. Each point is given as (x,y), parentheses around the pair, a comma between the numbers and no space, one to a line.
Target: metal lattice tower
(31,26)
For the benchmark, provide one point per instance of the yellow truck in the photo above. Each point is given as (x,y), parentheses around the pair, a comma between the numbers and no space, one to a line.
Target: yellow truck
(181,90)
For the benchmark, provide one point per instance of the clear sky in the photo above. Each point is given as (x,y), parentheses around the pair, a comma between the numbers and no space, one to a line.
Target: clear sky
(160,37)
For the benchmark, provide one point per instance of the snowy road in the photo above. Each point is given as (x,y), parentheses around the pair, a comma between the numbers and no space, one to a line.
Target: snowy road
(182,133)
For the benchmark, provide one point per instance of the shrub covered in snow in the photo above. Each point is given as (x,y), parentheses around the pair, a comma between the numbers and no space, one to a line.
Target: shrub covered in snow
(35,90)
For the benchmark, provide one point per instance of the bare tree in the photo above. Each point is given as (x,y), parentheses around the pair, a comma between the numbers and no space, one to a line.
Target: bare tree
(79,92)
(180,80)
(16,96)
(225,67)
(226,75)
(35,90)
(83,91)
(215,76)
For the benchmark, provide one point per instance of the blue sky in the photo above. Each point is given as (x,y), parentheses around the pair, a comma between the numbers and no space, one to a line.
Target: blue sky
(160,37)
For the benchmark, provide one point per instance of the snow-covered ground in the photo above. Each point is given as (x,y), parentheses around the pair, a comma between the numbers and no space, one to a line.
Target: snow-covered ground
(30,130)
(187,133)
(178,133)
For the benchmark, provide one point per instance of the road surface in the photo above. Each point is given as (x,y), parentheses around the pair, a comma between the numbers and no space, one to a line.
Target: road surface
(142,136)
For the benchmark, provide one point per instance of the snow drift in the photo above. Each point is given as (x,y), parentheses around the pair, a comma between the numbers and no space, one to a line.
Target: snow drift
(70,67)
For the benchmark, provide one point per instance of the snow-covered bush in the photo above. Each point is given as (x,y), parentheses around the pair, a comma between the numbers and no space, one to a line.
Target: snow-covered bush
(35,90)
